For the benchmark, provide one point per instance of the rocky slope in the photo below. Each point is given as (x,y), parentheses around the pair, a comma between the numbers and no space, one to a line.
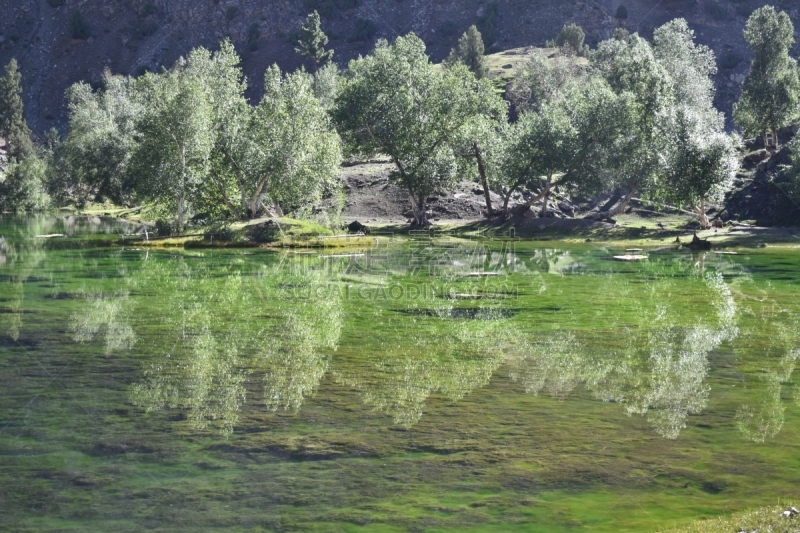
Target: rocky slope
(128,36)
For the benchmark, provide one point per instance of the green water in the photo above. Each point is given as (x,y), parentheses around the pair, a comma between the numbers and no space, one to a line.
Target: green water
(431,385)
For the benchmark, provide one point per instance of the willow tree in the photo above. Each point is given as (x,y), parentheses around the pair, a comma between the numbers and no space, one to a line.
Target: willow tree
(292,152)
(396,102)
(633,72)
(572,142)
(771,90)
(702,164)
(175,138)
(101,140)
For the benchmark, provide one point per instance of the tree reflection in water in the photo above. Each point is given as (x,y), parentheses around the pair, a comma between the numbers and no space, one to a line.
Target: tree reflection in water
(643,341)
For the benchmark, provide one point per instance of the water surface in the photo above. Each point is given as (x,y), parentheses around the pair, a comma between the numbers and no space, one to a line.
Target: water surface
(432,385)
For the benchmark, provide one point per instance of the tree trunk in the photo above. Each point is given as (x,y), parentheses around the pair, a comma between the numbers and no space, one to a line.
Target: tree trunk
(258,196)
(546,195)
(418,208)
(701,212)
(182,191)
(484,181)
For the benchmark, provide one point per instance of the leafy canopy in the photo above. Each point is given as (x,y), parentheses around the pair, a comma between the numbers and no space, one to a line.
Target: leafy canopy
(771,91)
(395,102)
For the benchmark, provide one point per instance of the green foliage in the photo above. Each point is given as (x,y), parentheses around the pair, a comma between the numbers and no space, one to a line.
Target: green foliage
(771,91)
(397,103)
(172,155)
(788,182)
(541,81)
(470,53)
(78,26)
(13,127)
(23,187)
(311,42)
(364,30)
(231,12)
(572,35)
(622,12)
(572,141)
(96,153)
(487,24)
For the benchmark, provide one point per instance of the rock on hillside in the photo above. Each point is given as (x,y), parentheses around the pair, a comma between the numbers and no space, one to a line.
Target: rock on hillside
(128,36)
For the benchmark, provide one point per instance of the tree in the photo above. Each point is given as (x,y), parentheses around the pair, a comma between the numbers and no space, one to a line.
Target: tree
(292,153)
(395,102)
(23,188)
(470,52)
(175,138)
(571,142)
(541,81)
(101,139)
(771,90)
(702,165)
(573,36)
(638,152)
(13,127)
(479,142)
(312,40)
(691,71)
(622,12)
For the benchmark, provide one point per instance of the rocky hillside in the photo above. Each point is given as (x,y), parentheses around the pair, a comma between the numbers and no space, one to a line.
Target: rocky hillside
(59,42)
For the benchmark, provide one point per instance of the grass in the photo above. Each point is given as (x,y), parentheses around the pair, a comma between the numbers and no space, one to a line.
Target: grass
(766,519)
(514,59)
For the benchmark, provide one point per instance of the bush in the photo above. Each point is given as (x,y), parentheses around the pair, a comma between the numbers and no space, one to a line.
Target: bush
(24,186)
(231,12)
(364,30)
(163,227)
(730,59)
(78,26)
(622,12)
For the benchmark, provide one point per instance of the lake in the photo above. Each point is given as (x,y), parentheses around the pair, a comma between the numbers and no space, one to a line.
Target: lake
(427,384)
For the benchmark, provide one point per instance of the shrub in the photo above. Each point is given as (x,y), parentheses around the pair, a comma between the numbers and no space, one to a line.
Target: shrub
(231,12)
(364,30)
(622,12)
(78,26)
